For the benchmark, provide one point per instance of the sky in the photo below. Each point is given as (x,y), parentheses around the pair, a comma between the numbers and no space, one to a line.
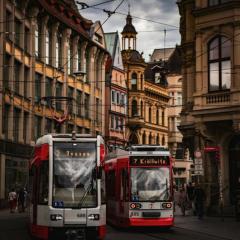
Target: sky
(161,14)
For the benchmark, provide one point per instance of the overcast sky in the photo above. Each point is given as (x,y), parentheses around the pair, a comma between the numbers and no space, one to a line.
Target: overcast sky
(150,33)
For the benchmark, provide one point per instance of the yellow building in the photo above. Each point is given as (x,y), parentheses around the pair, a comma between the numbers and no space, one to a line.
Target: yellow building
(147,99)
(52,78)
(210,118)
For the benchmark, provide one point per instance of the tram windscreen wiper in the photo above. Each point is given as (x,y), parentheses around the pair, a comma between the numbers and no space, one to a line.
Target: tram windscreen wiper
(82,200)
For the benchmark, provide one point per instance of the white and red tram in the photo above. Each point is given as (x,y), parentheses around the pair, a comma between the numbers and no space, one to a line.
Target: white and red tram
(139,187)
(68,188)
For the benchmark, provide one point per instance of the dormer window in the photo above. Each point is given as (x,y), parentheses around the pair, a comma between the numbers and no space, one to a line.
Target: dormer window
(98,38)
(157,77)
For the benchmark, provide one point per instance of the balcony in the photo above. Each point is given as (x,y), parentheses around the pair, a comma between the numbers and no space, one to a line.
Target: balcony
(219,97)
(136,122)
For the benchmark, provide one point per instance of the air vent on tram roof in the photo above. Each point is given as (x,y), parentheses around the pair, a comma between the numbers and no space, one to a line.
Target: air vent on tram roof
(142,148)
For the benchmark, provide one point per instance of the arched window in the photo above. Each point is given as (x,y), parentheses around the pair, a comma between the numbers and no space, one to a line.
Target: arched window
(134,81)
(150,114)
(134,108)
(157,139)
(219,64)
(141,82)
(142,109)
(58,50)
(133,139)
(150,138)
(144,138)
(163,140)
(157,117)
(163,118)
(47,46)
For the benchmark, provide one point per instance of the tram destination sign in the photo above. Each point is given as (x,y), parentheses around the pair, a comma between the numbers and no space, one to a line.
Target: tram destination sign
(149,161)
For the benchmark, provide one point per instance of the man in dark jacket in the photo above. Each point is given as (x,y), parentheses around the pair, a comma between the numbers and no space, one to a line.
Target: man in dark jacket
(199,199)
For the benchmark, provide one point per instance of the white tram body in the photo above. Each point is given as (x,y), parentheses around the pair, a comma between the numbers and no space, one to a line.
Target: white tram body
(68,187)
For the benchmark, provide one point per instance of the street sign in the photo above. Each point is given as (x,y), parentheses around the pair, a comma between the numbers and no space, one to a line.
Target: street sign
(198,161)
(199,172)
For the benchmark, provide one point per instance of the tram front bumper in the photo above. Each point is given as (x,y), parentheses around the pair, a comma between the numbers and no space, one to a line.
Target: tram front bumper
(153,222)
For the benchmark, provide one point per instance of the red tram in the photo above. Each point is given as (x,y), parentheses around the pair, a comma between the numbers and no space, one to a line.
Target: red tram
(139,187)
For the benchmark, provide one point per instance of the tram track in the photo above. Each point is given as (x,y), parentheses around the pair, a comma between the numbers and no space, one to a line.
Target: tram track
(189,235)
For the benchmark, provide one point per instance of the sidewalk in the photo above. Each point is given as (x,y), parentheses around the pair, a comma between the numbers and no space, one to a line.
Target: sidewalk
(227,229)
(5,214)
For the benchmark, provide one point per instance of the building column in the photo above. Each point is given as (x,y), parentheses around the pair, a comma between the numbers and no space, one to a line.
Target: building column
(2,176)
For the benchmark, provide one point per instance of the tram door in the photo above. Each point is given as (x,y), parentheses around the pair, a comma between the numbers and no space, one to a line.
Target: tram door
(234,168)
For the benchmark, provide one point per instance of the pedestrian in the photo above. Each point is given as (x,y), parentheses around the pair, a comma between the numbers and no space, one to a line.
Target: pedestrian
(21,200)
(182,200)
(190,191)
(12,199)
(199,199)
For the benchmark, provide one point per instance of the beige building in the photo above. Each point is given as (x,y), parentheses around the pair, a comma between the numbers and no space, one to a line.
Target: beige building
(52,79)
(210,117)
(169,62)
(147,99)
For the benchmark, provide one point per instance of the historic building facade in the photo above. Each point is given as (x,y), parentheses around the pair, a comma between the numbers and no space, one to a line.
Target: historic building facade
(168,61)
(52,75)
(210,33)
(116,94)
(147,99)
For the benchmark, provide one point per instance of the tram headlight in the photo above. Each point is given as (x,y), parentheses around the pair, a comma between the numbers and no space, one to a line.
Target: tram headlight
(167,205)
(93,217)
(56,217)
(135,205)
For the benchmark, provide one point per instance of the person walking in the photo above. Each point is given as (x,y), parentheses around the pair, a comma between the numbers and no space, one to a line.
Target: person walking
(21,200)
(199,199)
(12,199)
(190,192)
(182,200)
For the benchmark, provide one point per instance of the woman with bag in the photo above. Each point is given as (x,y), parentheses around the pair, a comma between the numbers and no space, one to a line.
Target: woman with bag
(12,199)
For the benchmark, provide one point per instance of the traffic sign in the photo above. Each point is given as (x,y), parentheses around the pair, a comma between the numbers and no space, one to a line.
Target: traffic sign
(198,161)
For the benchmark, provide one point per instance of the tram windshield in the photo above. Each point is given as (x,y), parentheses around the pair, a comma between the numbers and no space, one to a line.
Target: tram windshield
(150,184)
(74,180)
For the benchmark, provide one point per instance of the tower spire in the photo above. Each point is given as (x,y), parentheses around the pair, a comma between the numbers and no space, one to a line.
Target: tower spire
(129,7)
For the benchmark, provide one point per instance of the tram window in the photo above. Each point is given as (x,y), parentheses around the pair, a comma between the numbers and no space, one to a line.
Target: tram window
(43,183)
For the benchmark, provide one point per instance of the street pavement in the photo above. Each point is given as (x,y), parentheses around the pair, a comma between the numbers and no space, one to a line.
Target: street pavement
(14,227)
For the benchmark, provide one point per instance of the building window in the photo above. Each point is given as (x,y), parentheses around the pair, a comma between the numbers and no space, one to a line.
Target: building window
(112,122)
(134,81)
(134,108)
(179,98)
(26,81)
(5,122)
(47,46)
(17,72)
(58,94)
(58,50)
(118,98)
(142,88)
(6,71)
(16,117)
(113,96)
(69,57)
(163,117)
(219,64)
(25,126)
(157,139)
(97,109)
(26,39)
(79,103)
(157,77)
(8,24)
(17,32)
(86,105)
(116,125)
(78,57)
(144,138)
(70,95)
(163,140)
(37,127)
(37,87)
(150,114)
(157,117)
(150,138)
(38,39)
(48,87)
